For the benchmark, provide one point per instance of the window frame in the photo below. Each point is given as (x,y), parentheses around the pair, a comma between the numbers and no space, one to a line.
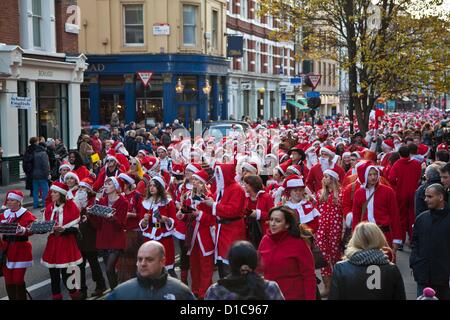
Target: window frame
(215,29)
(39,17)
(124,24)
(197,38)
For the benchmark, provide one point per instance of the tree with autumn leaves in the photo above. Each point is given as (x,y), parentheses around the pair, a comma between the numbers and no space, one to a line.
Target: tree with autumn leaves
(389,48)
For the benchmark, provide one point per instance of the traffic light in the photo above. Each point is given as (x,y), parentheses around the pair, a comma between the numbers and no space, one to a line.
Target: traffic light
(314,103)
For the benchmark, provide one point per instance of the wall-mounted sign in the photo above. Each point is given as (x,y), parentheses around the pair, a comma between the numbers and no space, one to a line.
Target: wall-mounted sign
(161,29)
(21,102)
(235,46)
(45,73)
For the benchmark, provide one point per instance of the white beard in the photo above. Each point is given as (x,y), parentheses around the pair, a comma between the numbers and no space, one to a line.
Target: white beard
(324,163)
(311,159)
(81,199)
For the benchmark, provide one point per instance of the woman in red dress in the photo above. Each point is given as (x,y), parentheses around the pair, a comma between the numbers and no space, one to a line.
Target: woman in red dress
(329,233)
(17,247)
(61,254)
(159,212)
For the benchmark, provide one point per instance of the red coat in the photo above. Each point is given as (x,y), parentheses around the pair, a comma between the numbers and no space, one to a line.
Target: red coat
(289,262)
(134,199)
(382,209)
(231,205)
(96,145)
(404,178)
(314,180)
(307,213)
(167,209)
(262,205)
(347,197)
(62,250)
(111,233)
(19,253)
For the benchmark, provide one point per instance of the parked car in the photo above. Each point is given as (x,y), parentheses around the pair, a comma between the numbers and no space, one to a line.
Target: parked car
(104,130)
(224,128)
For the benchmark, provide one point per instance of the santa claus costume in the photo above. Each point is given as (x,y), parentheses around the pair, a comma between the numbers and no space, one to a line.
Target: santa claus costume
(17,248)
(72,189)
(307,213)
(156,208)
(111,238)
(109,170)
(228,208)
(61,251)
(314,179)
(200,236)
(381,205)
(126,268)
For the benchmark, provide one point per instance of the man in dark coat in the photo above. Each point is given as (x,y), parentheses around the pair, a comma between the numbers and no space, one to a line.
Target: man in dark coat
(430,258)
(27,164)
(40,174)
(432,176)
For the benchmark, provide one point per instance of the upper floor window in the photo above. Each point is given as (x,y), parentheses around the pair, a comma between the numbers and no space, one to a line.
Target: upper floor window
(189,25)
(244,9)
(134,24)
(36,8)
(215,29)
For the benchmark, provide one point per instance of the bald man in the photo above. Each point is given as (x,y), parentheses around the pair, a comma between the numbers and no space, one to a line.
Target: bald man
(152,281)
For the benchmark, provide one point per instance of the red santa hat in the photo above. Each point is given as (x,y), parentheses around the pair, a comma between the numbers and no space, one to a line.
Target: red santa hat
(151,163)
(143,152)
(271,157)
(118,183)
(111,155)
(72,174)
(126,178)
(60,187)
(202,175)
(161,148)
(14,195)
(388,143)
(193,167)
(66,165)
(251,167)
(296,169)
(330,150)
(120,148)
(293,181)
(332,173)
(442,146)
(423,149)
(177,169)
(160,180)
(87,183)
(363,172)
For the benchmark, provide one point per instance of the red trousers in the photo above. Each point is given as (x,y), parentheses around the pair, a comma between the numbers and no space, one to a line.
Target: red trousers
(407,216)
(202,269)
(14,276)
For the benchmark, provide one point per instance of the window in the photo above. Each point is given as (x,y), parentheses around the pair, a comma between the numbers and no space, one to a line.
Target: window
(189,25)
(270,60)
(244,59)
(229,5)
(256,12)
(258,57)
(324,74)
(134,24)
(36,7)
(244,11)
(215,28)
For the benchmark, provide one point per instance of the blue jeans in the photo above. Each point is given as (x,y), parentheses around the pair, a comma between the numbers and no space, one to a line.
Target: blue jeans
(39,185)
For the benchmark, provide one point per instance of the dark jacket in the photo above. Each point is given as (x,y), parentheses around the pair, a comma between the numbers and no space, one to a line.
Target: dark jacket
(61,151)
(419,198)
(162,288)
(28,159)
(430,255)
(41,166)
(351,278)
(54,164)
(131,145)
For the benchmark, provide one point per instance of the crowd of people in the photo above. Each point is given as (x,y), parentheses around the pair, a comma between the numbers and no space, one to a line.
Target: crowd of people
(266,208)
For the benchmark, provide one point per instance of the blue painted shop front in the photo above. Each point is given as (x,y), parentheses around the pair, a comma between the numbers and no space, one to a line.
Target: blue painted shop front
(176,89)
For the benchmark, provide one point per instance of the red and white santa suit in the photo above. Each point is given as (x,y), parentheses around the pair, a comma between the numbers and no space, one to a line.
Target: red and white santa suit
(105,173)
(306,211)
(181,191)
(17,247)
(328,235)
(61,251)
(404,178)
(229,210)
(262,205)
(82,172)
(71,194)
(314,179)
(155,230)
(201,246)
(382,207)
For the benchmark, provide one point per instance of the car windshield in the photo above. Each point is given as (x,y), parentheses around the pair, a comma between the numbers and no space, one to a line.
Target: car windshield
(219,131)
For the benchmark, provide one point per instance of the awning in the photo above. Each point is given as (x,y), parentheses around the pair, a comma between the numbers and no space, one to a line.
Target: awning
(299,106)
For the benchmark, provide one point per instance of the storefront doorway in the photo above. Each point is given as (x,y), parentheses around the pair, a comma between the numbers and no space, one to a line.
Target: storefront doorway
(149,111)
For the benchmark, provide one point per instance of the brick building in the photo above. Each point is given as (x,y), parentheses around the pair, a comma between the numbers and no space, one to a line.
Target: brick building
(40,76)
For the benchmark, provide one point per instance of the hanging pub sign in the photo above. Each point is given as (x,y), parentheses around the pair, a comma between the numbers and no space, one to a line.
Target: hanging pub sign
(235,46)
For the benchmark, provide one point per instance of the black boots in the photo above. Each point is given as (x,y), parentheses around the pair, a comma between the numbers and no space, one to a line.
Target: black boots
(16,291)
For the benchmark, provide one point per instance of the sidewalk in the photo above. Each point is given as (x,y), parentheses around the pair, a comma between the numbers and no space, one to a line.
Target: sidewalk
(27,202)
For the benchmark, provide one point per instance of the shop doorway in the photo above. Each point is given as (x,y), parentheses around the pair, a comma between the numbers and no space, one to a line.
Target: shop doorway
(187,114)
(149,111)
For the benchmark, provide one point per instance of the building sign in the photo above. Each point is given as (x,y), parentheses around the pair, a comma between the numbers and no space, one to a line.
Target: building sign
(235,46)
(161,29)
(21,102)
(296,81)
(96,67)
(45,73)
